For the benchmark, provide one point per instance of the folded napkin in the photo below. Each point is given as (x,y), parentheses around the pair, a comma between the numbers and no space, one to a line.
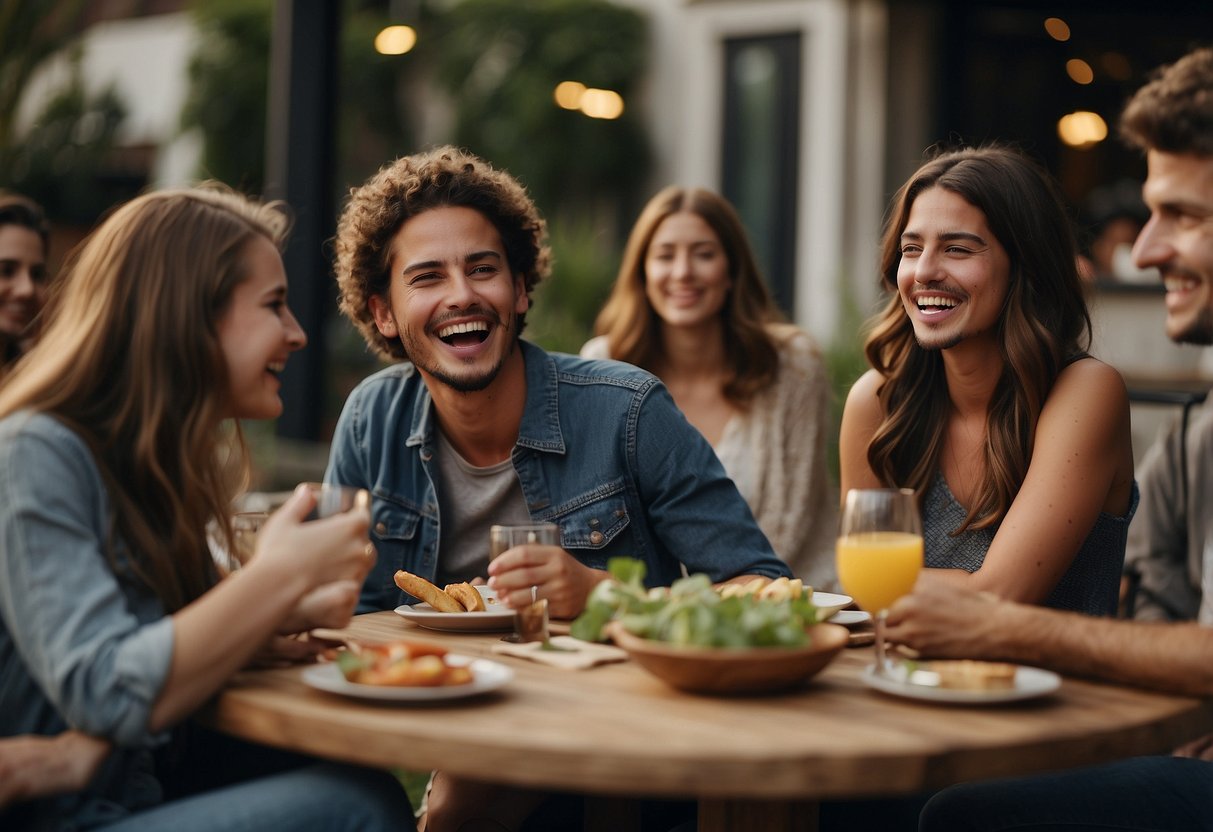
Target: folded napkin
(575,655)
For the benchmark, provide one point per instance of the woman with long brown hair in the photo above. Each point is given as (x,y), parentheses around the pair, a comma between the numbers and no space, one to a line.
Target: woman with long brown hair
(170,322)
(690,305)
(981,396)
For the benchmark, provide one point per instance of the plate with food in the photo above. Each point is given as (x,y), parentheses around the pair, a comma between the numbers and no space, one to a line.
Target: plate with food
(454,608)
(784,589)
(850,618)
(405,671)
(963,682)
(828,603)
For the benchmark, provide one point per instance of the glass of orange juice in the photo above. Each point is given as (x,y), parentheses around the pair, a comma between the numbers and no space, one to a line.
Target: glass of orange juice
(879,551)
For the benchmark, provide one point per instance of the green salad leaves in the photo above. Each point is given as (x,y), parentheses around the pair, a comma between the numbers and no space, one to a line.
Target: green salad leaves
(691,612)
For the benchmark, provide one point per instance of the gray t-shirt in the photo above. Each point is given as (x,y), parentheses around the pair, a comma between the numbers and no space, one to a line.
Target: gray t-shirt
(471,499)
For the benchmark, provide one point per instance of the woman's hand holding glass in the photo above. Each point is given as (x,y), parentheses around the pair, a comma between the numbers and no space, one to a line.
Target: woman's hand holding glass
(879,552)
(330,555)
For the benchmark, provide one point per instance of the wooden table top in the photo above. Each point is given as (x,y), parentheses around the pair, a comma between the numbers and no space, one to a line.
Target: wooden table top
(615,729)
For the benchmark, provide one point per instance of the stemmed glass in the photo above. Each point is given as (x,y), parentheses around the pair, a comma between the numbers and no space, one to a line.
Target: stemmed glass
(879,552)
(530,622)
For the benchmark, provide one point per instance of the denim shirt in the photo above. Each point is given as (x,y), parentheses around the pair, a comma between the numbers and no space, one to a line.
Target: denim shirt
(80,647)
(602,451)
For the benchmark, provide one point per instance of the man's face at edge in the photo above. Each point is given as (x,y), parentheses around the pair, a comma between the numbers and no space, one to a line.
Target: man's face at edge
(1178,241)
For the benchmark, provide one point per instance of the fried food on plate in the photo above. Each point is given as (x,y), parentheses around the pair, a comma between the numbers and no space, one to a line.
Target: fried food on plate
(467,596)
(400,663)
(966,674)
(780,589)
(419,587)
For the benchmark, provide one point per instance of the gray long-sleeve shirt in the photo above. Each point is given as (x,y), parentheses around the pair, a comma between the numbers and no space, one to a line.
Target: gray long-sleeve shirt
(1170,541)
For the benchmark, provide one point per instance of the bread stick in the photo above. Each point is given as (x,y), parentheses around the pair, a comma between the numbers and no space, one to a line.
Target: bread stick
(466,595)
(419,587)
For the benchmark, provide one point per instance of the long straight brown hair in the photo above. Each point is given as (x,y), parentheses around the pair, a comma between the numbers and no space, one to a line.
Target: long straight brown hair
(130,360)
(1043,325)
(632,328)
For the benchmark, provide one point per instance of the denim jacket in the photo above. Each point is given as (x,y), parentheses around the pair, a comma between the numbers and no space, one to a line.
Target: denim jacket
(602,451)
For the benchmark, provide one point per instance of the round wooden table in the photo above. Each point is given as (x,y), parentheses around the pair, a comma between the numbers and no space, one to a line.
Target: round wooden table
(754,763)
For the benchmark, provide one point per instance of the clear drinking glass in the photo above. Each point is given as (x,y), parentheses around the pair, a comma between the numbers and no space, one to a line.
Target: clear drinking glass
(502,538)
(334,499)
(246,525)
(879,552)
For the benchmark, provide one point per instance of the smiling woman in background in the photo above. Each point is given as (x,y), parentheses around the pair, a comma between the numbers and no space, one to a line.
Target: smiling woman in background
(690,306)
(24,240)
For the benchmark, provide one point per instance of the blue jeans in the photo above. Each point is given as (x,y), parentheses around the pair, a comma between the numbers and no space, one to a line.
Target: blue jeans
(325,797)
(1145,794)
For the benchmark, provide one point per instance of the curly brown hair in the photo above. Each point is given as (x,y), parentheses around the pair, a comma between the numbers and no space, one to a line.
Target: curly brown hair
(1174,112)
(413,184)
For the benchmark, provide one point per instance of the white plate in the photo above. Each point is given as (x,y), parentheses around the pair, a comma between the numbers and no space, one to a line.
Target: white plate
(486,676)
(829,602)
(849,618)
(1030,682)
(496,618)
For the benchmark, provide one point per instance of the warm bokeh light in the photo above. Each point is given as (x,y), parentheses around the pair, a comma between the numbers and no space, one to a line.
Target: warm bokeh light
(1057,28)
(1080,71)
(568,94)
(395,40)
(1082,129)
(606,104)
(595,103)
(1116,66)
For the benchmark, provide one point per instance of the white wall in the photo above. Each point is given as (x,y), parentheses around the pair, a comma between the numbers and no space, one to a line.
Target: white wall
(146,60)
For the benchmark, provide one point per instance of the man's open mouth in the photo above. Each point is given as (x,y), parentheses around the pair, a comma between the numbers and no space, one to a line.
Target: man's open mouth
(465,334)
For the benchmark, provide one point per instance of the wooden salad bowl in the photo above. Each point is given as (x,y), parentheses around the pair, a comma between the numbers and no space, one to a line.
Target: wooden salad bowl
(731,670)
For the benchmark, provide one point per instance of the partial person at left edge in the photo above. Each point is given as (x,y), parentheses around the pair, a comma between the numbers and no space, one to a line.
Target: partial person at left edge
(437,256)
(24,245)
(170,322)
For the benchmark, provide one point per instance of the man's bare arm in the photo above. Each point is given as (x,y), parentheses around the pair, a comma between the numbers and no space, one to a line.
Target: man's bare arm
(948,622)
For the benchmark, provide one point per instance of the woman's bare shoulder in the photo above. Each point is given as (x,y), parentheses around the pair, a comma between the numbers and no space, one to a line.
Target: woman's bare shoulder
(866,388)
(1090,377)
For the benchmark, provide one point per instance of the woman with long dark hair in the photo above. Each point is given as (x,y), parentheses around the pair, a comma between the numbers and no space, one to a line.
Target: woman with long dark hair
(981,395)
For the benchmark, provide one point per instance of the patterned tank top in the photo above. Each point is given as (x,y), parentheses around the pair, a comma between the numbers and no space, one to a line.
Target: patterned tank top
(1091,584)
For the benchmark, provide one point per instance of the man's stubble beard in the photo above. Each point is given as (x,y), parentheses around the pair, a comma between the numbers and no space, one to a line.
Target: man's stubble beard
(461,384)
(1200,332)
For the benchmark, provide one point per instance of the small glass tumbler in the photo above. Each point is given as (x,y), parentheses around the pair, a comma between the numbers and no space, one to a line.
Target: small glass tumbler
(502,538)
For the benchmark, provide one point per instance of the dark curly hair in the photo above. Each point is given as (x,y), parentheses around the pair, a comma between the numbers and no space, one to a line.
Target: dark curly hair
(1174,112)
(414,184)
